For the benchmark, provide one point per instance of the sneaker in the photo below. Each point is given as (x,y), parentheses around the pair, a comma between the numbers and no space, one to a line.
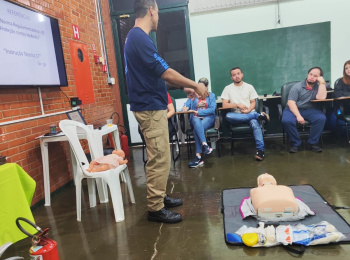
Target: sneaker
(207,149)
(314,148)
(294,149)
(264,116)
(260,154)
(196,162)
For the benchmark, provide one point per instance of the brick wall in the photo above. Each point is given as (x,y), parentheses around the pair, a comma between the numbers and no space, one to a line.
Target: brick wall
(17,140)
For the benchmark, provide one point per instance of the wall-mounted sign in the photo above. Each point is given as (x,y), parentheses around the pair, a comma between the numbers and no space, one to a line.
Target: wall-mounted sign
(76,32)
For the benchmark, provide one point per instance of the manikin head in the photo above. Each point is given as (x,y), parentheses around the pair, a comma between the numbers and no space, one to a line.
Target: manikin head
(119,153)
(266,179)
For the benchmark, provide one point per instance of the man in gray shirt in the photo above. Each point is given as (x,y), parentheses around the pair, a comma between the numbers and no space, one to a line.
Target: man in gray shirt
(299,108)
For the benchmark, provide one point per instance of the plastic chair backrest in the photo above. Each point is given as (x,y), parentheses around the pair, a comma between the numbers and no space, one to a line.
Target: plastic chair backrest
(285,92)
(174,116)
(257,105)
(69,128)
(174,102)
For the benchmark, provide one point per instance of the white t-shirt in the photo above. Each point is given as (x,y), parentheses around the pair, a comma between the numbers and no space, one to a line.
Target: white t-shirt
(239,95)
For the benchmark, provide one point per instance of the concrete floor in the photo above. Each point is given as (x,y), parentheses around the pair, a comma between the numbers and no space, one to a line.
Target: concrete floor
(200,235)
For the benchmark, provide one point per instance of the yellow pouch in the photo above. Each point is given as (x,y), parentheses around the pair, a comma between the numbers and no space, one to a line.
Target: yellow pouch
(250,239)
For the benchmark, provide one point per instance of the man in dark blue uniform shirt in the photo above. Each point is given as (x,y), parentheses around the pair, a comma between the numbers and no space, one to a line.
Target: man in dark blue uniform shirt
(146,73)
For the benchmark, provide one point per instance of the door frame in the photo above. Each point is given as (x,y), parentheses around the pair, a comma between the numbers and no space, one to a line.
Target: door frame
(115,16)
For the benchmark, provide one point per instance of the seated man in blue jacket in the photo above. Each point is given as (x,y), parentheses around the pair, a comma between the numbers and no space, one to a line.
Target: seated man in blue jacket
(299,108)
(201,120)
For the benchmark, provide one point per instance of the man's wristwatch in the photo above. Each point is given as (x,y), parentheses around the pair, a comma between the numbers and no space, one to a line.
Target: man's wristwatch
(324,82)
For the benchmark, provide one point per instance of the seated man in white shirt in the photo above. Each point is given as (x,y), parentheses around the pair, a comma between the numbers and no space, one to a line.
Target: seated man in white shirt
(241,98)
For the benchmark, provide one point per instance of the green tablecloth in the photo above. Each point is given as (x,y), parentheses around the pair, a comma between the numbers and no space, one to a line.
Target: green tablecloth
(16,193)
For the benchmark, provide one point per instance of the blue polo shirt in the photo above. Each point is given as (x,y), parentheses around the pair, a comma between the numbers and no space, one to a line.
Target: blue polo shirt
(143,70)
(302,96)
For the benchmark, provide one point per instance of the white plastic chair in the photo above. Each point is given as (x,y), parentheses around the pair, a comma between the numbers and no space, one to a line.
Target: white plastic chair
(111,177)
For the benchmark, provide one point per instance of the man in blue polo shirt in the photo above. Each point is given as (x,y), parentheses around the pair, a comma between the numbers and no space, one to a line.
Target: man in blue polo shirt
(146,73)
(299,108)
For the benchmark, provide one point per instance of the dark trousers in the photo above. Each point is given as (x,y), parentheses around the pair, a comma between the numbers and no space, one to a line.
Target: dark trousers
(313,115)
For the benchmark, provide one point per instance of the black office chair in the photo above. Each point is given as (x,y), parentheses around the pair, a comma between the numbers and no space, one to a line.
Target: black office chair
(241,131)
(302,129)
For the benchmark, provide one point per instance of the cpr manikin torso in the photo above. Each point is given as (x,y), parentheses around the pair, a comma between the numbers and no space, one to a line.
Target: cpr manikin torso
(272,200)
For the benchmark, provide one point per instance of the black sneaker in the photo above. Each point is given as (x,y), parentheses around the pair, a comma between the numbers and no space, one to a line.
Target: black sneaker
(294,149)
(164,215)
(260,154)
(196,162)
(207,149)
(265,117)
(314,148)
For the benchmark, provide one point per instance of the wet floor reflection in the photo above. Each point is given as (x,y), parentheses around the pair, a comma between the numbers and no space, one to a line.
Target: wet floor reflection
(200,235)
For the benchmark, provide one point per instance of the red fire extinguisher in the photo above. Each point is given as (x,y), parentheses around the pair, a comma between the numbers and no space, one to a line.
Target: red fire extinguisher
(124,141)
(43,248)
(122,137)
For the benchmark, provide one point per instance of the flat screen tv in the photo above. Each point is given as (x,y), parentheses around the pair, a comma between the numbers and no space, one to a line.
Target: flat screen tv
(30,48)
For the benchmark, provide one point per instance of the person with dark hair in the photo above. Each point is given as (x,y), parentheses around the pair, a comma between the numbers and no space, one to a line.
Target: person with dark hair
(300,108)
(146,73)
(342,89)
(201,120)
(342,85)
(241,98)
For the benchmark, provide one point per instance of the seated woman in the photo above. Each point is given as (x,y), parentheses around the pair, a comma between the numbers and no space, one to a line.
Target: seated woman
(201,120)
(342,87)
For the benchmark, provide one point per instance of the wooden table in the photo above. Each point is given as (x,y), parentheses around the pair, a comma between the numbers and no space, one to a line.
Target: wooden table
(342,98)
(322,100)
(267,97)
(185,112)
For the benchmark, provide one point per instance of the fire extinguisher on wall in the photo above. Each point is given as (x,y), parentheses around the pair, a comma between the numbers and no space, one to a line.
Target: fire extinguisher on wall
(124,140)
(43,248)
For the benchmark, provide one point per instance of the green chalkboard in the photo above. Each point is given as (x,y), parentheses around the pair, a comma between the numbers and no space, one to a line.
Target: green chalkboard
(270,58)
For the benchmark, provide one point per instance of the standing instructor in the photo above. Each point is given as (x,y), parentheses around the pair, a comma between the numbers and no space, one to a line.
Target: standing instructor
(146,73)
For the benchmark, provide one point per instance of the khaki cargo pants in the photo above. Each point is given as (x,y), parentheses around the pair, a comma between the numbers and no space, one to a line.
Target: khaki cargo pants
(154,127)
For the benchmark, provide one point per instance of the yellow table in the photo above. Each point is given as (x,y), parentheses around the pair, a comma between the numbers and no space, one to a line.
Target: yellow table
(16,193)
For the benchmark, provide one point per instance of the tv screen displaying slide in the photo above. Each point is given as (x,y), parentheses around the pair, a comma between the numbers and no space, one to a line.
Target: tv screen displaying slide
(30,48)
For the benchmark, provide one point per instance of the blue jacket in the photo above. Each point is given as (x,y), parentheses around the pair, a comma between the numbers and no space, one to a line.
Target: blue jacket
(210,111)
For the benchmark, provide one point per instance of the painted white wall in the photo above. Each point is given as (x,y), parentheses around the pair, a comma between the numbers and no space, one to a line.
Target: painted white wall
(264,17)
